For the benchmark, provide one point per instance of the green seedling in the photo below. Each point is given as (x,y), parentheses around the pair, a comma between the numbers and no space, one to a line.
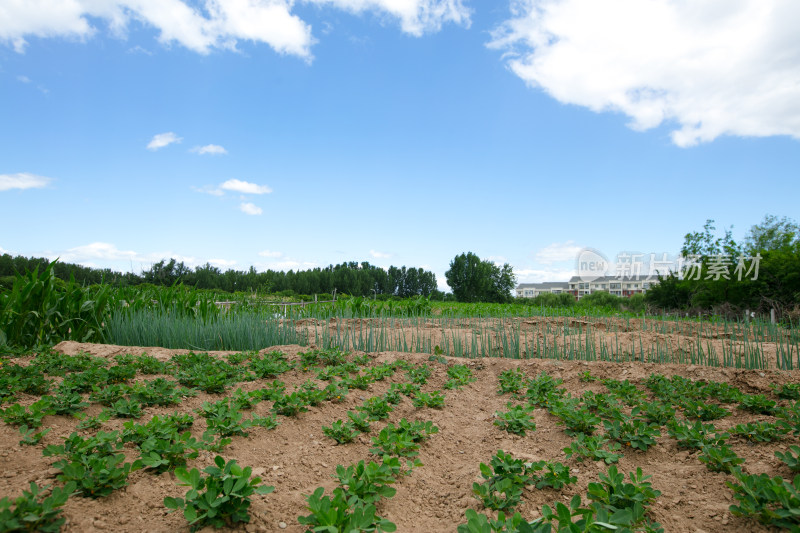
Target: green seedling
(789,391)
(30,437)
(290,404)
(459,375)
(340,431)
(511,381)
(360,421)
(791,458)
(614,492)
(758,404)
(636,434)
(516,420)
(35,512)
(695,435)
(591,447)
(366,482)
(774,501)
(659,413)
(376,407)
(575,419)
(17,415)
(761,431)
(336,513)
(720,458)
(433,399)
(419,375)
(219,499)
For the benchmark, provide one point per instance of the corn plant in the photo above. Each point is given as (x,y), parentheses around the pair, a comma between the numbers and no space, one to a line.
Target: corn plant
(43,310)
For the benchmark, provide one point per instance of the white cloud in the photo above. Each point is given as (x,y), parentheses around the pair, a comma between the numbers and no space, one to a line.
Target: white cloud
(3,251)
(540,275)
(719,67)
(23,79)
(416,16)
(224,263)
(557,252)
(245,187)
(219,24)
(270,253)
(107,255)
(290,264)
(23,180)
(163,139)
(208,189)
(379,255)
(100,250)
(213,149)
(250,208)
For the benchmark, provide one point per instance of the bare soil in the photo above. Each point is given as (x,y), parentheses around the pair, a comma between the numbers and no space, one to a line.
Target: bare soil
(296,457)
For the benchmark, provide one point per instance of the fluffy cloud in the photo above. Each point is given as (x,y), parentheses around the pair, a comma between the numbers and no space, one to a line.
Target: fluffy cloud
(379,255)
(103,254)
(249,208)
(270,253)
(557,252)
(23,180)
(245,187)
(218,24)
(213,149)
(163,139)
(540,275)
(416,16)
(720,67)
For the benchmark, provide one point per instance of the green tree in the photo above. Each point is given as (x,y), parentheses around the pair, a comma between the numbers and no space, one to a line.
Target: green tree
(476,280)
(772,233)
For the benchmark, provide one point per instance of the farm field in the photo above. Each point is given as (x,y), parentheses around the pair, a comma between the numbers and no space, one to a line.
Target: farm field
(273,405)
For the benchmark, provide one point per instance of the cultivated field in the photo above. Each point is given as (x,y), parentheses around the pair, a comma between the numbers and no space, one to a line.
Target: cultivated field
(677,423)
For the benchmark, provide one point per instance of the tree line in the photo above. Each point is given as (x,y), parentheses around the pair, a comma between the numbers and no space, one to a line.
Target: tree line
(352,278)
(715,280)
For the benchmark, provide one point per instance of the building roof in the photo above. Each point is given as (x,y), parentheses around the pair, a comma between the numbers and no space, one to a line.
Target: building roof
(544,285)
(620,279)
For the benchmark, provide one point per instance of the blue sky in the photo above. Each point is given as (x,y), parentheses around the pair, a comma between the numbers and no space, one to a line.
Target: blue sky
(288,134)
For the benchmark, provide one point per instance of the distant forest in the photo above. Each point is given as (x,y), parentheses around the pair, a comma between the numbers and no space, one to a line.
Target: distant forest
(352,278)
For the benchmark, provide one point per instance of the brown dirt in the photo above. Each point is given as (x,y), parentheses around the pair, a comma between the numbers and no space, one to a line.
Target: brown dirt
(297,458)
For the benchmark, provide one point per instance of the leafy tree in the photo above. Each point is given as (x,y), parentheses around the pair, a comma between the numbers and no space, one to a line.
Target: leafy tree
(476,280)
(772,233)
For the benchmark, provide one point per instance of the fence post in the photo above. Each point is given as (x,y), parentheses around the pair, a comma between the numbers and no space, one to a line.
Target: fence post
(772,315)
